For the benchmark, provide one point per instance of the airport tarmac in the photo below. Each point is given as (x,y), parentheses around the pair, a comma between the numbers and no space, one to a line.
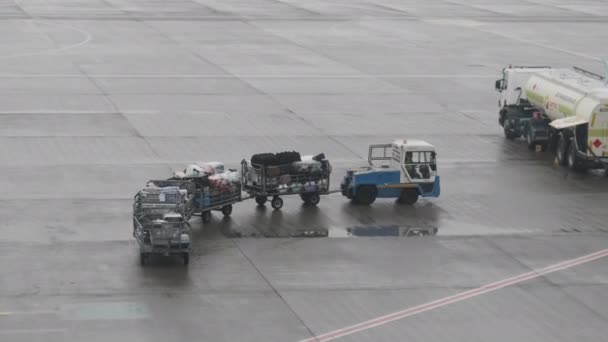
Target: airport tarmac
(99,97)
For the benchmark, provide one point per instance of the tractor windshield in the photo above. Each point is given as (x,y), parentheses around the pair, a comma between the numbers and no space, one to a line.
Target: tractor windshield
(420,164)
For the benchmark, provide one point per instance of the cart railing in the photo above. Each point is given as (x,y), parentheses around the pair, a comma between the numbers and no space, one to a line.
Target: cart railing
(283,179)
(143,207)
(161,237)
(184,184)
(220,196)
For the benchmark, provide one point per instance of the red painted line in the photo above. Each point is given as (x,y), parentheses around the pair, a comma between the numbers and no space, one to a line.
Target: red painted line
(332,335)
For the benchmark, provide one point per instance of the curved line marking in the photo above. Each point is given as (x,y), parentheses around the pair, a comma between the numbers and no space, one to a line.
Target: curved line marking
(87,38)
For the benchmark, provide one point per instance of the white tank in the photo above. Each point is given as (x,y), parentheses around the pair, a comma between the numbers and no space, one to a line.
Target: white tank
(561,93)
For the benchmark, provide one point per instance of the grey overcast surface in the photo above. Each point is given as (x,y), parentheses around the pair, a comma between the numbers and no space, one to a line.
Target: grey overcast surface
(99,96)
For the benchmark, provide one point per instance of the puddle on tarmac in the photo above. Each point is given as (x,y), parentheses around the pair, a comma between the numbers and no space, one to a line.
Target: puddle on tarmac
(390,230)
(335,232)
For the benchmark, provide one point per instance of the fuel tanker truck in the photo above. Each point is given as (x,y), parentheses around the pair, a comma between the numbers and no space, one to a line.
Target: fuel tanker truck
(562,110)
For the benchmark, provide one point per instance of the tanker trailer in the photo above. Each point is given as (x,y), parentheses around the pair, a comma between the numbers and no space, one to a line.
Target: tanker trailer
(564,110)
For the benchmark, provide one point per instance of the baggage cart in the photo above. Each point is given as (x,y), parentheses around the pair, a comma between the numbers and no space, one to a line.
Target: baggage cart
(264,182)
(160,221)
(208,198)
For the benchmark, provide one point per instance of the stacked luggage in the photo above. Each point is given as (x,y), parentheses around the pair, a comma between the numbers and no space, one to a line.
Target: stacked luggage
(218,188)
(284,173)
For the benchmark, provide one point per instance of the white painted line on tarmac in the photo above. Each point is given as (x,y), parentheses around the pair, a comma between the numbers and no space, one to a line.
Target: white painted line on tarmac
(332,335)
(268,76)
(479,26)
(86,39)
(35,312)
(32,331)
(84,111)
(542,45)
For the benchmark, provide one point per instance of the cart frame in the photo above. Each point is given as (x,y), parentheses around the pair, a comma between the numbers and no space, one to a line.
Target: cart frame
(260,185)
(153,244)
(206,200)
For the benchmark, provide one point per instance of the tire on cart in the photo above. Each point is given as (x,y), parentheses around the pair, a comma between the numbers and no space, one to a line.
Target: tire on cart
(260,200)
(311,199)
(277,203)
(206,216)
(186,258)
(227,210)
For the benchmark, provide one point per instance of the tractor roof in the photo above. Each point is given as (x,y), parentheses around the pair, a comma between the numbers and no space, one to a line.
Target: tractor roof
(414,144)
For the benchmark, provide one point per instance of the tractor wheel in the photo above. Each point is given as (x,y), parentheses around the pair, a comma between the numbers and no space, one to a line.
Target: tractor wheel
(408,196)
(366,194)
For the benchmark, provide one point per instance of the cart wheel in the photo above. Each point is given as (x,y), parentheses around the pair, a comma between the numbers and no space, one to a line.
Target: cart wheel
(227,210)
(206,216)
(261,200)
(277,203)
(314,199)
(186,257)
(143,258)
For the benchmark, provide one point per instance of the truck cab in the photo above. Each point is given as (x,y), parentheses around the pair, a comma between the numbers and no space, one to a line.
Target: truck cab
(513,80)
(516,115)
(404,169)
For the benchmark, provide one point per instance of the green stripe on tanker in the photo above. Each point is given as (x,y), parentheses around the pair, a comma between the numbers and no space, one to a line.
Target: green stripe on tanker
(535,97)
(565,110)
(598,133)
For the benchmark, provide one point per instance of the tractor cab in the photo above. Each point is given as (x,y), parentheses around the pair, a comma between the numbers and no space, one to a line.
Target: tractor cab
(404,169)
(416,159)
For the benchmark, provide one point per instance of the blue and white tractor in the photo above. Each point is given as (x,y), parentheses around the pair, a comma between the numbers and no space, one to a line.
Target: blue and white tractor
(405,169)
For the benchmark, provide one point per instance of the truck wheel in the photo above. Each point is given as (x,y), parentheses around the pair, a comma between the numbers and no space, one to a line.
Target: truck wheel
(186,257)
(562,150)
(206,216)
(507,130)
(366,194)
(408,196)
(227,210)
(574,162)
(261,200)
(277,203)
(501,117)
(530,138)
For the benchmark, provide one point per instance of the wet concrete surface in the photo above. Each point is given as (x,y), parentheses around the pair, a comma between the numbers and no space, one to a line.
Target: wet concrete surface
(99,97)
